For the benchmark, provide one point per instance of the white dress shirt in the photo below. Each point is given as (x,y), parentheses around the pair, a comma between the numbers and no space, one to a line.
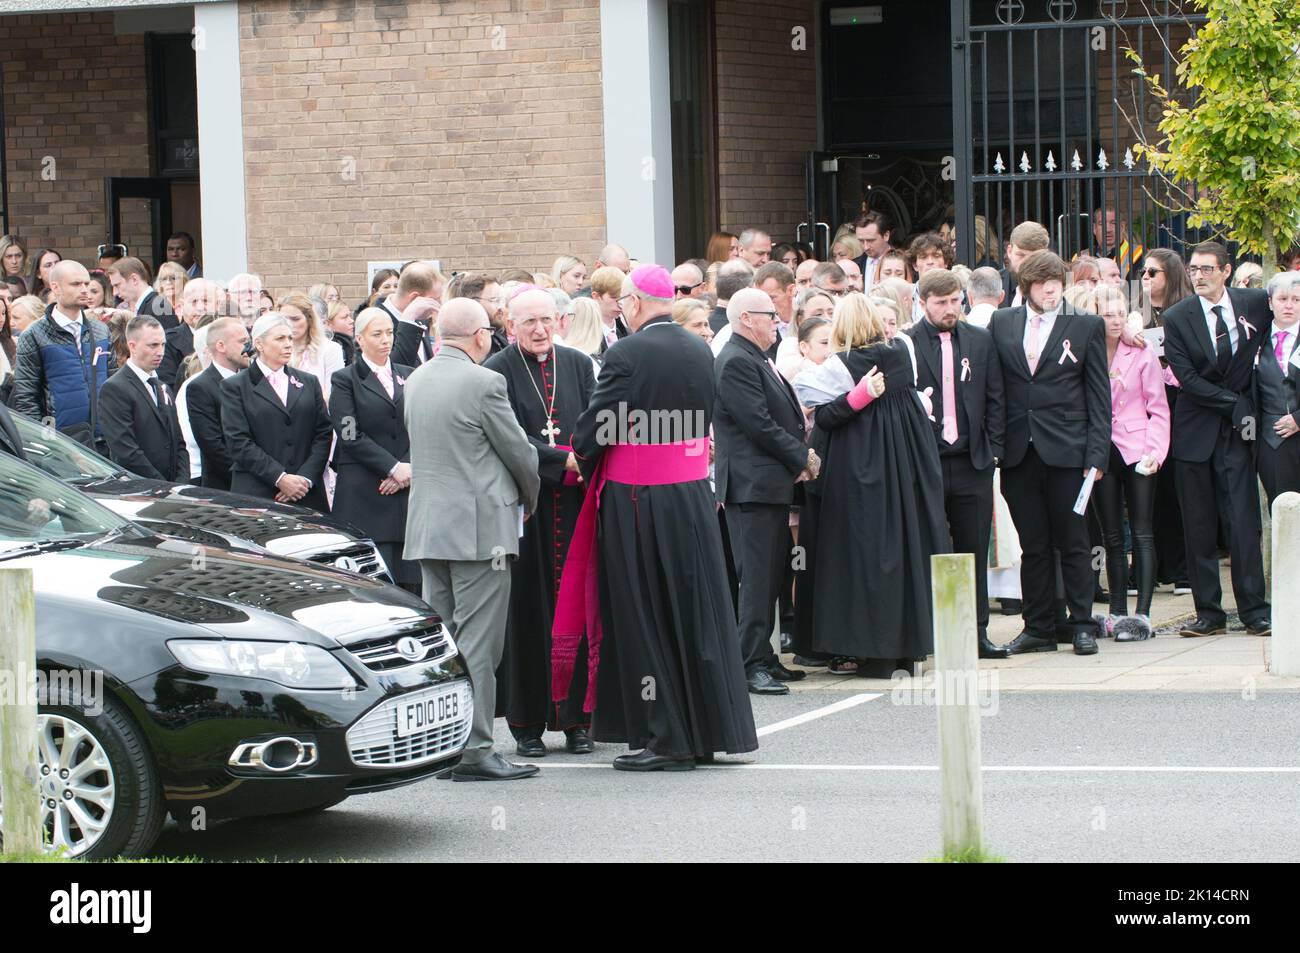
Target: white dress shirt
(145,378)
(1211,322)
(981,314)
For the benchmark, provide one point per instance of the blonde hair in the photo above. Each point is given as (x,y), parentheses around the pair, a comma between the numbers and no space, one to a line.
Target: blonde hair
(585,331)
(683,307)
(1248,275)
(563,265)
(890,292)
(1103,295)
(607,280)
(321,290)
(1081,298)
(173,272)
(315,331)
(31,307)
(851,245)
(857,323)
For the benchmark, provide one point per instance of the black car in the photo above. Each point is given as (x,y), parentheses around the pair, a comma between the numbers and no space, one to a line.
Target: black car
(199,514)
(230,683)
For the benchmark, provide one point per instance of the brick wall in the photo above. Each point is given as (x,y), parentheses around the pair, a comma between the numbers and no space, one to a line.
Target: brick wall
(767,112)
(464,131)
(75,93)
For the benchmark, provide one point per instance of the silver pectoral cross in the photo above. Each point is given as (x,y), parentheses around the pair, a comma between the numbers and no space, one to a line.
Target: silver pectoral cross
(549,431)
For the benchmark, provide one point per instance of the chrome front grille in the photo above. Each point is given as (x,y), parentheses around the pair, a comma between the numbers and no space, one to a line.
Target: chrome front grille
(361,558)
(373,741)
(384,654)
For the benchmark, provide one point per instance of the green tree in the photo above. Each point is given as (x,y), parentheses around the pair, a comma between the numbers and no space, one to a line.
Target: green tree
(1229,139)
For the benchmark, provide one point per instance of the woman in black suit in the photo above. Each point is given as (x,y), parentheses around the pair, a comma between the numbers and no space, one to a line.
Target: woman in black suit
(277,429)
(374,449)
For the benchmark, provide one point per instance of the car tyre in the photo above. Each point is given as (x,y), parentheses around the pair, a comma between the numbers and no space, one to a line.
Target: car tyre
(138,810)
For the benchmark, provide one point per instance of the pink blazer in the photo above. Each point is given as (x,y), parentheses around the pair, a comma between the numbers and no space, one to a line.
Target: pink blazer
(1139,409)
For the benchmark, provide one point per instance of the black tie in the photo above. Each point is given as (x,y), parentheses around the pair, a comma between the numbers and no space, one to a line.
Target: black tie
(1222,343)
(156,386)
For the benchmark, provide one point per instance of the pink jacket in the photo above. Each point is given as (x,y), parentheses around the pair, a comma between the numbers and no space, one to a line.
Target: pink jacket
(1139,410)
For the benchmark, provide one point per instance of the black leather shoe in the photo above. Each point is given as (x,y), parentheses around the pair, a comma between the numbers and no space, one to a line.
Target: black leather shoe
(530,748)
(647,760)
(989,650)
(578,741)
(1011,606)
(1024,642)
(1085,641)
(1259,627)
(761,682)
(783,674)
(493,768)
(1202,627)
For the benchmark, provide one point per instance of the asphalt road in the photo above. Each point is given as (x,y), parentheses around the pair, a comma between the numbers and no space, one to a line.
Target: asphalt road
(1070,776)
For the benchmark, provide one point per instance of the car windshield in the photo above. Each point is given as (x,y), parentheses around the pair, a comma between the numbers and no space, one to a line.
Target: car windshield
(36,508)
(60,456)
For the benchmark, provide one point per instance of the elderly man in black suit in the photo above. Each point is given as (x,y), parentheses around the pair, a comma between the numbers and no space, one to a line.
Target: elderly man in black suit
(200,298)
(373,459)
(137,410)
(227,338)
(758,428)
(277,429)
(1211,341)
(958,365)
(1277,377)
(1057,391)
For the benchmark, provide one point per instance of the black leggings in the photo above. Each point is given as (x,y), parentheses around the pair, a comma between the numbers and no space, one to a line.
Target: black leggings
(1121,484)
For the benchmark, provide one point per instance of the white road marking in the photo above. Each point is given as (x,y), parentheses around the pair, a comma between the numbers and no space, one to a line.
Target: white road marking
(822,712)
(1000,768)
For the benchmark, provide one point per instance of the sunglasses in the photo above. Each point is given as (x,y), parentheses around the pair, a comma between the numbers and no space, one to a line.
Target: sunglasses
(685,289)
(1152,272)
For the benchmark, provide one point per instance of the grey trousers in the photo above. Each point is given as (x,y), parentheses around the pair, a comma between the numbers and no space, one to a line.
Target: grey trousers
(473,598)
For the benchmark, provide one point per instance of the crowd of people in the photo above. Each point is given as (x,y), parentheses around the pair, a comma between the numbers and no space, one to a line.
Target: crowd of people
(827,426)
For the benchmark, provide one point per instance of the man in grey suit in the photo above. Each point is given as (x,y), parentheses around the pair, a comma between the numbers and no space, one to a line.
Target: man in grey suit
(471,470)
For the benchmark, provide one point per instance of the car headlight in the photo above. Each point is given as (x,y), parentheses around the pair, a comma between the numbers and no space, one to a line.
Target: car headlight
(291,664)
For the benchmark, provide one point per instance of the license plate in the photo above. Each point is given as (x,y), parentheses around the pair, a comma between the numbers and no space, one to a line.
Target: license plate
(429,712)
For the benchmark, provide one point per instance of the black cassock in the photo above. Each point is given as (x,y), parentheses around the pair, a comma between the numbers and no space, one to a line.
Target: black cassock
(880,517)
(670,676)
(524,678)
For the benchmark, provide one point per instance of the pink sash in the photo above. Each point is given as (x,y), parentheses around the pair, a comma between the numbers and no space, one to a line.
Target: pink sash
(577,609)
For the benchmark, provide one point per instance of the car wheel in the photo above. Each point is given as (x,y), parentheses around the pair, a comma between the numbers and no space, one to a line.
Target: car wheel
(100,795)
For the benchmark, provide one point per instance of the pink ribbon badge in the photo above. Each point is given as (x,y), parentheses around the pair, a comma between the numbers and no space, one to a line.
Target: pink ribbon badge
(401,381)
(1066,352)
(295,382)
(965,368)
(1249,328)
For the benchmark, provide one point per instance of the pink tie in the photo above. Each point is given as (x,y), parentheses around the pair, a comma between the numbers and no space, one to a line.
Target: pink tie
(949,392)
(1035,325)
(385,374)
(280,384)
(1279,351)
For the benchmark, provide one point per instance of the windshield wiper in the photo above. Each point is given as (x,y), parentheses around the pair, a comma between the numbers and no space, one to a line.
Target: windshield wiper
(44,546)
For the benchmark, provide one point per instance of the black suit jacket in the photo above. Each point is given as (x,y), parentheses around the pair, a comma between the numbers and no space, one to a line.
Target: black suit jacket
(1065,405)
(663,371)
(267,438)
(1275,391)
(621,330)
(143,436)
(156,306)
(372,439)
(758,428)
(718,319)
(11,442)
(980,394)
(180,345)
(1207,398)
(203,404)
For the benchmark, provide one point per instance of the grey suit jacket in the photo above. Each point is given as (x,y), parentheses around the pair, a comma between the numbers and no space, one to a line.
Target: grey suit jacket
(471,465)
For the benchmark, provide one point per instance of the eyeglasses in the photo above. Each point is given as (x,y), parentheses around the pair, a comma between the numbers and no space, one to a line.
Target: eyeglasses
(1202,269)
(1152,272)
(770,314)
(685,289)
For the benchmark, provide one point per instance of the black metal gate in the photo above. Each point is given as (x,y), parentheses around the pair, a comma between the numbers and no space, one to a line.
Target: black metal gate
(1046,114)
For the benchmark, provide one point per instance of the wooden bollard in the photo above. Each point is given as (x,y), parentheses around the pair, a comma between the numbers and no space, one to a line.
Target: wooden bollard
(956,673)
(18,780)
